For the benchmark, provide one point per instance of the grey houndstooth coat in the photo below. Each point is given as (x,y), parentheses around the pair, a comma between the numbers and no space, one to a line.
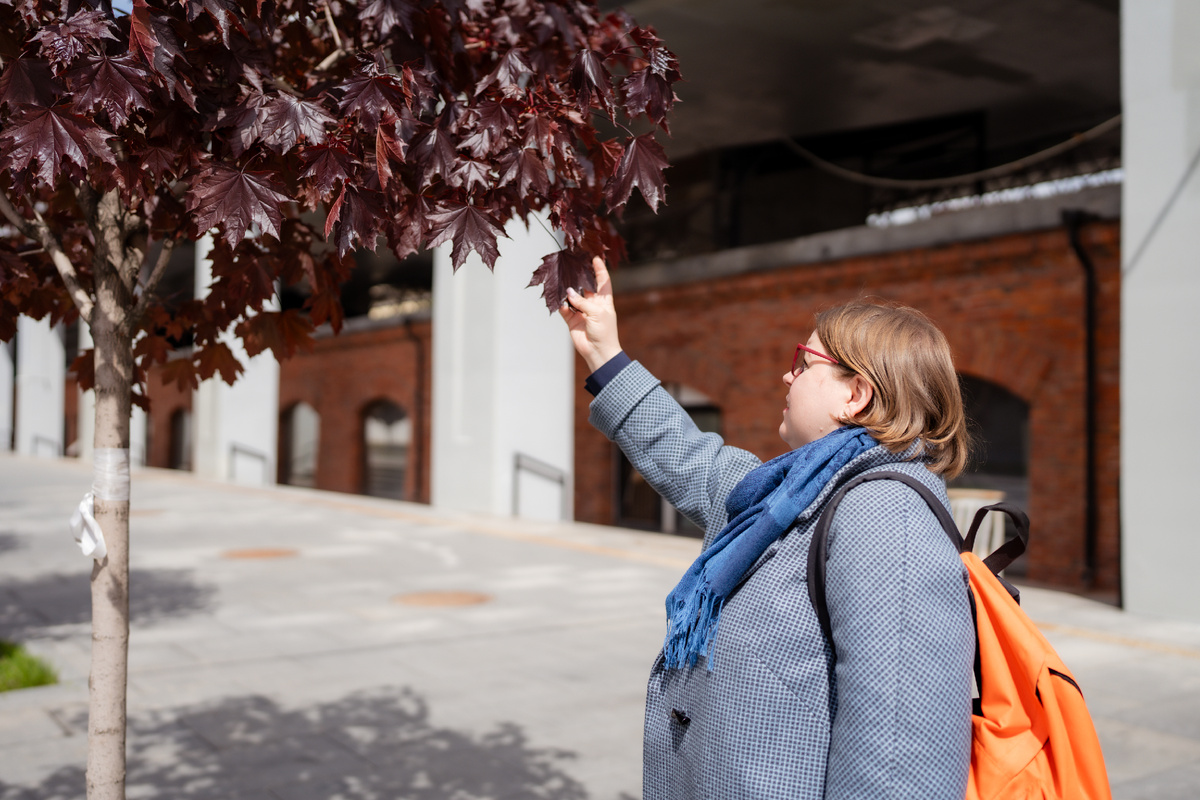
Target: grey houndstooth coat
(775,718)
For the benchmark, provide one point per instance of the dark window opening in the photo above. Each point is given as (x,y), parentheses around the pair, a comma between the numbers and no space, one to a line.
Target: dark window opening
(638,505)
(179,454)
(387,440)
(299,435)
(999,423)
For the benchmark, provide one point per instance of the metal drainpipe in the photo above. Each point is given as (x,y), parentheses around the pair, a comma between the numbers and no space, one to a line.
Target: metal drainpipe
(418,411)
(1073,221)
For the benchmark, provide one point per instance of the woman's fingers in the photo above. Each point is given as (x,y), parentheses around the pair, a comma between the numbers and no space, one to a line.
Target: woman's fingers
(578,302)
(603,282)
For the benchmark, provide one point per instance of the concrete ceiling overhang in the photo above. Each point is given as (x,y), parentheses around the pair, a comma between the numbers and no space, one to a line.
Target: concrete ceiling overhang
(757,70)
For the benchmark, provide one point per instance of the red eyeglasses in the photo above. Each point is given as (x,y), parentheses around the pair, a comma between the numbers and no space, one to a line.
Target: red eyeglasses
(798,365)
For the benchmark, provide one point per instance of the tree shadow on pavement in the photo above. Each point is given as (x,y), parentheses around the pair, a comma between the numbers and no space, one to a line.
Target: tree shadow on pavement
(38,607)
(378,745)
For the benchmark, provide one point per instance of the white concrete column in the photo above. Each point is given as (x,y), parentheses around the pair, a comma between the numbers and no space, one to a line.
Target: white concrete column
(41,386)
(1160,337)
(235,428)
(7,379)
(503,386)
(85,425)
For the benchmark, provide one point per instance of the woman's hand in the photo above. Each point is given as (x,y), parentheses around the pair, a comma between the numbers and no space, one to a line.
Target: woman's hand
(592,320)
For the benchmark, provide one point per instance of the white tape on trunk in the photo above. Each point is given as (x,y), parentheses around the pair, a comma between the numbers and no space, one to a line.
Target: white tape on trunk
(110,473)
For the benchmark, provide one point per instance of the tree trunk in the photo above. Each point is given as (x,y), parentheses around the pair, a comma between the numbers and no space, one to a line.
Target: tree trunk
(110,577)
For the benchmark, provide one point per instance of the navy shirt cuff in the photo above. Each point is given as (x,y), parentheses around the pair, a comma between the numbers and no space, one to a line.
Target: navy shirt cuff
(600,378)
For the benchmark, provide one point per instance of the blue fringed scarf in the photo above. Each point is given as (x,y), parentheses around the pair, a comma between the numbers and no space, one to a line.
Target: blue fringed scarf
(761,507)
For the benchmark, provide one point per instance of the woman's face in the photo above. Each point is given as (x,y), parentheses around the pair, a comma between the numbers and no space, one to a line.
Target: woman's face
(816,399)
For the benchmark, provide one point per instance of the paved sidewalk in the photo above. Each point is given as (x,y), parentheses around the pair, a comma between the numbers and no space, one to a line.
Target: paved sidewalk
(290,644)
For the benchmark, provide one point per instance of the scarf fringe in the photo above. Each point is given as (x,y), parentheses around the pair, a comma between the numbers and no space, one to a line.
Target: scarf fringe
(693,627)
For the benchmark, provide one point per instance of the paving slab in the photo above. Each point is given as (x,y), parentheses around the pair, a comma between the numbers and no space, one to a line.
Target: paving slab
(291,644)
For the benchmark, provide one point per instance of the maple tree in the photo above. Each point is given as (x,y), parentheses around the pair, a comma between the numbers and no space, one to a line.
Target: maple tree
(409,122)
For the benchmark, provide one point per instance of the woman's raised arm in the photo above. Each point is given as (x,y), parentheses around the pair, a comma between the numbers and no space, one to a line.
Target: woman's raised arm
(694,471)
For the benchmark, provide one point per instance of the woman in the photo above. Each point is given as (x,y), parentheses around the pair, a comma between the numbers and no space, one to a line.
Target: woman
(747,699)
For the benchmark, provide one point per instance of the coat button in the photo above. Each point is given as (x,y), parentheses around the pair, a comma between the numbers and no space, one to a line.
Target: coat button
(680,717)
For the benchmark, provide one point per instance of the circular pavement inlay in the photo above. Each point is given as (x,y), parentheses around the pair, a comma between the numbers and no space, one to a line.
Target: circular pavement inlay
(261,552)
(441,599)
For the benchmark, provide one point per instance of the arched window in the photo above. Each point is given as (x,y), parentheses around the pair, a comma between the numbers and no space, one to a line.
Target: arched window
(999,423)
(299,433)
(387,436)
(638,505)
(180,444)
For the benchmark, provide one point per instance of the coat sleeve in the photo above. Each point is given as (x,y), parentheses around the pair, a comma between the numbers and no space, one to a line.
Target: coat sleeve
(694,471)
(901,620)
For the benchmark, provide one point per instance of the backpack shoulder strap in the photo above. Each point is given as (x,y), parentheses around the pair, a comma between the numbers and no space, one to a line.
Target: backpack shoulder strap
(818,551)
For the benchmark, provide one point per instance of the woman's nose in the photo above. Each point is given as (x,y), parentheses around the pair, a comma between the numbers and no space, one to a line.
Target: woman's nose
(788,377)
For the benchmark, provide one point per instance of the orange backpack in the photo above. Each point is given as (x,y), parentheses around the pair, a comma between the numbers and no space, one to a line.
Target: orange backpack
(1032,736)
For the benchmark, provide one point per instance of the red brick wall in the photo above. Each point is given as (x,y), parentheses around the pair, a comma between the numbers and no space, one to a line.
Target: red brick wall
(344,375)
(71,415)
(1012,308)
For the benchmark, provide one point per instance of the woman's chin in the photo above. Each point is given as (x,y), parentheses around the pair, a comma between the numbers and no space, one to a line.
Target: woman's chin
(786,436)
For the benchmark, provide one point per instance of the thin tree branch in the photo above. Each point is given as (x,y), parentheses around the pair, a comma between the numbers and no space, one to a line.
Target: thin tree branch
(337,38)
(151,285)
(327,62)
(339,50)
(40,232)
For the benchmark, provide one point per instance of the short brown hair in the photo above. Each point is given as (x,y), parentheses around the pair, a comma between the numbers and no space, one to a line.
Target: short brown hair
(907,361)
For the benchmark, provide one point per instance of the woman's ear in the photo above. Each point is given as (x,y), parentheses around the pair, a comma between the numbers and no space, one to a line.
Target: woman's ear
(861,393)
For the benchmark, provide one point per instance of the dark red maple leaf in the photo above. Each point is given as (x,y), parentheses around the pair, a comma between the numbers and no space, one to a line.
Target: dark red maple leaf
(223,14)
(116,86)
(326,306)
(471,175)
(381,16)
(641,165)
(158,161)
(436,151)
(507,75)
(528,169)
(328,166)
(542,134)
(647,92)
(590,78)
(355,218)
(61,43)
(53,137)
(563,269)
(469,228)
(153,347)
(234,200)
(288,118)
(152,40)
(84,368)
(27,81)
(388,145)
(181,372)
(247,119)
(367,96)
(282,332)
(491,125)
(212,359)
